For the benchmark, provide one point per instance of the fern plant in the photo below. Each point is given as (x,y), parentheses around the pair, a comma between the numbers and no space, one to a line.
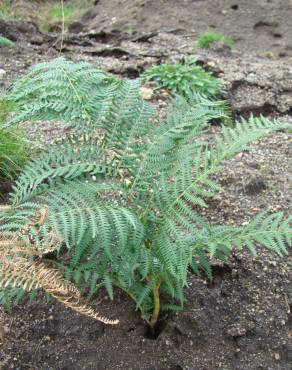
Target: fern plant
(116,204)
(183,78)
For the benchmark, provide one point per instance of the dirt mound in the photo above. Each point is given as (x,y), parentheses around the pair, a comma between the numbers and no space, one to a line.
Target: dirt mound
(24,31)
(257,26)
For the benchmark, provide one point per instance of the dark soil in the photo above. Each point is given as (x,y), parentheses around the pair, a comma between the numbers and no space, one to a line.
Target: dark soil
(257,26)
(241,320)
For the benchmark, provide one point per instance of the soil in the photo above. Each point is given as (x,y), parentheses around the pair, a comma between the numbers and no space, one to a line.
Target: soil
(241,320)
(257,26)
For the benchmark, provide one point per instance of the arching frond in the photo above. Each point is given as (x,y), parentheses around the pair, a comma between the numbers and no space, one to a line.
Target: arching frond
(61,90)
(19,272)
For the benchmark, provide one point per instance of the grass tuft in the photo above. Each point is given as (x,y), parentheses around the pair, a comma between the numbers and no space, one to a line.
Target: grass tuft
(14,147)
(210,37)
(6,11)
(51,13)
(14,152)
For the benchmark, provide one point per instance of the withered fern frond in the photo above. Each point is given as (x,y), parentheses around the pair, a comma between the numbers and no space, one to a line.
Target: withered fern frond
(18,272)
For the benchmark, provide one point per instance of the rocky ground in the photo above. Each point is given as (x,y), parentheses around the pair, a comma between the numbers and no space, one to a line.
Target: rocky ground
(241,320)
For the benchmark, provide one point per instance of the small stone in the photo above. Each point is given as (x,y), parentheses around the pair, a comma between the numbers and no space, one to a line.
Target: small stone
(236,331)
(164,94)
(269,54)
(255,186)
(277,356)
(76,27)
(273,263)
(211,64)
(234,272)
(146,93)
(2,73)
(220,48)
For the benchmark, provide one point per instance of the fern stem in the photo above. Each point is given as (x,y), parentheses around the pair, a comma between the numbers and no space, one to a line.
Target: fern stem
(156,302)
(132,296)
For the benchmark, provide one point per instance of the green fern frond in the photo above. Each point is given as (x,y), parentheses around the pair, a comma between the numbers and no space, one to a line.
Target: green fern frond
(73,158)
(192,173)
(273,232)
(244,133)
(61,90)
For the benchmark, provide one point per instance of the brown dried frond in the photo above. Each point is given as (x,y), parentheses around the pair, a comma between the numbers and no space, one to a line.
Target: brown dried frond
(38,220)
(7,243)
(5,208)
(41,216)
(86,310)
(24,242)
(19,272)
(50,243)
(11,246)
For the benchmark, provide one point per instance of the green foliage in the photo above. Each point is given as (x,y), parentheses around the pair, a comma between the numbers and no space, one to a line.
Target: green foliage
(47,14)
(14,152)
(52,13)
(6,12)
(14,147)
(6,42)
(62,90)
(124,191)
(210,37)
(7,107)
(183,79)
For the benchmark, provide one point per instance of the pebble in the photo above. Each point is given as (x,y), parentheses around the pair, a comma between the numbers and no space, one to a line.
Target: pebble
(146,93)
(273,263)
(277,356)
(2,73)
